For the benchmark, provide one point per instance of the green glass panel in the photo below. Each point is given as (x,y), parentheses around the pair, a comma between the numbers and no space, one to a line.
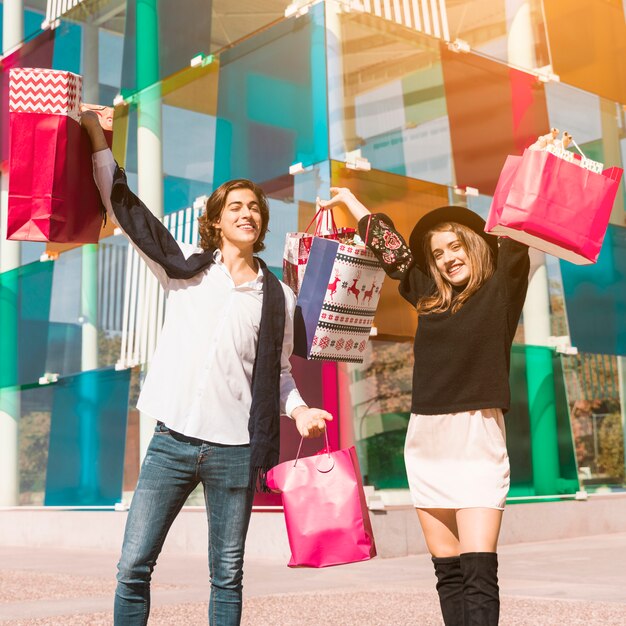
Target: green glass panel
(35,404)
(88,429)
(375,399)
(272,113)
(153,46)
(539,437)
(25,295)
(595,298)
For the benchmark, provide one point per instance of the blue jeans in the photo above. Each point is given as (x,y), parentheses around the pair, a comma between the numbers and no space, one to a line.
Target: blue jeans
(174,465)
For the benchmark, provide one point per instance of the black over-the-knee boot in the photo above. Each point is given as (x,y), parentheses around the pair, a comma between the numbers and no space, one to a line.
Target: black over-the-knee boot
(450,589)
(480,588)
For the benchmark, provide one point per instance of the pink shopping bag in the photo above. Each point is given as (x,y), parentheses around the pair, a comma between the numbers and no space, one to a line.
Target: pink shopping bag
(554,205)
(52,193)
(325,510)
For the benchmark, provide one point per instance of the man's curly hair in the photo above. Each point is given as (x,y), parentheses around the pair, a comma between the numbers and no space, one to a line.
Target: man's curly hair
(211,237)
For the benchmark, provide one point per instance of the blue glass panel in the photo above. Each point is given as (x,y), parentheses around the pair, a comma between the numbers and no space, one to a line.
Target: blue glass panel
(272,113)
(188,141)
(67,47)
(595,298)
(88,430)
(24,312)
(292,205)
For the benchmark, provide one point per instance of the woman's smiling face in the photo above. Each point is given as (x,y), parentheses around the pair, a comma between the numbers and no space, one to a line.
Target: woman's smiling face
(450,258)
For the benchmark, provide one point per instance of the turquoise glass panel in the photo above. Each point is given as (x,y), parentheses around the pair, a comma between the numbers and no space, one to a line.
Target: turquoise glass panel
(67,47)
(386,98)
(595,298)
(75,302)
(24,312)
(87,434)
(538,431)
(272,101)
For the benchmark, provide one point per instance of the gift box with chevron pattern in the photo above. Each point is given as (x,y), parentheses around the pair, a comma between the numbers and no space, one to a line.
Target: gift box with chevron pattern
(45,91)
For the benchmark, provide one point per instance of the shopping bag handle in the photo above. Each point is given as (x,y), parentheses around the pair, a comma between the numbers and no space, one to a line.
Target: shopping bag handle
(326,462)
(318,219)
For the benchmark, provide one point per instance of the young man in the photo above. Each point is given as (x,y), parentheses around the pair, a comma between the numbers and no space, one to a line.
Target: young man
(218,381)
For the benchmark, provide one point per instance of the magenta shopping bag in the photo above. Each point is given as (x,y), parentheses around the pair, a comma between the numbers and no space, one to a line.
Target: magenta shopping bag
(52,193)
(325,510)
(553,204)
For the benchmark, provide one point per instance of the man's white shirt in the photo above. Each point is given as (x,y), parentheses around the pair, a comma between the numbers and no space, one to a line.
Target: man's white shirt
(199,380)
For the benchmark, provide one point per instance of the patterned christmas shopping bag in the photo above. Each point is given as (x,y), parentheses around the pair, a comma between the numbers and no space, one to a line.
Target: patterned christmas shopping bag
(298,246)
(295,257)
(337,301)
(52,194)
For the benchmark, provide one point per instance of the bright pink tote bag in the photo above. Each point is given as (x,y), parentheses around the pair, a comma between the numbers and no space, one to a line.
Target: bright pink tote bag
(553,205)
(52,193)
(325,510)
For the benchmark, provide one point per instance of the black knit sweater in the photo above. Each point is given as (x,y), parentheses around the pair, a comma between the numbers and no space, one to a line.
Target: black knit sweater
(461,359)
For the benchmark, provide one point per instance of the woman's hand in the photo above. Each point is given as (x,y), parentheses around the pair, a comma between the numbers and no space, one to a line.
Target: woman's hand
(90,121)
(342,195)
(310,422)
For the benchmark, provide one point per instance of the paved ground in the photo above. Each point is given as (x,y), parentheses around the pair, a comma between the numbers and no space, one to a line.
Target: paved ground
(569,582)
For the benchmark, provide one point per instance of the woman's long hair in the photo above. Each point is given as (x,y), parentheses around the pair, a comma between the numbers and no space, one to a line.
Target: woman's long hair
(481,266)
(211,237)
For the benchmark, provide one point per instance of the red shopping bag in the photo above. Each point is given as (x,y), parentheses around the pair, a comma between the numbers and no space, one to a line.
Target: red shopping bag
(325,510)
(298,246)
(52,194)
(553,204)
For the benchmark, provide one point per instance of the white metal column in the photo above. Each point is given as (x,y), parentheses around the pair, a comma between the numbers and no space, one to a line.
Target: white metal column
(10,409)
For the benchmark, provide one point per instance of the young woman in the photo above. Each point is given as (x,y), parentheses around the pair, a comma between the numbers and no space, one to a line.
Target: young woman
(469,290)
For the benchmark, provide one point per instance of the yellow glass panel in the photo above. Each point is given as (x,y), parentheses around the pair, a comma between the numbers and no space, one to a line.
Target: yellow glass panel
(403,199)
(588,45)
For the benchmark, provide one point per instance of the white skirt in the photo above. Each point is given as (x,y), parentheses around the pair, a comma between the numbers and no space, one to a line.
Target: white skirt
(457,460)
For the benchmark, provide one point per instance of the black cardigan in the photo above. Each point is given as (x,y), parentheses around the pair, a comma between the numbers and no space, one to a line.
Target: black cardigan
(462,359)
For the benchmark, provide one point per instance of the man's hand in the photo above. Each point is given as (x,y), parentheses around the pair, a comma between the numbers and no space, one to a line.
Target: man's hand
(310,422)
